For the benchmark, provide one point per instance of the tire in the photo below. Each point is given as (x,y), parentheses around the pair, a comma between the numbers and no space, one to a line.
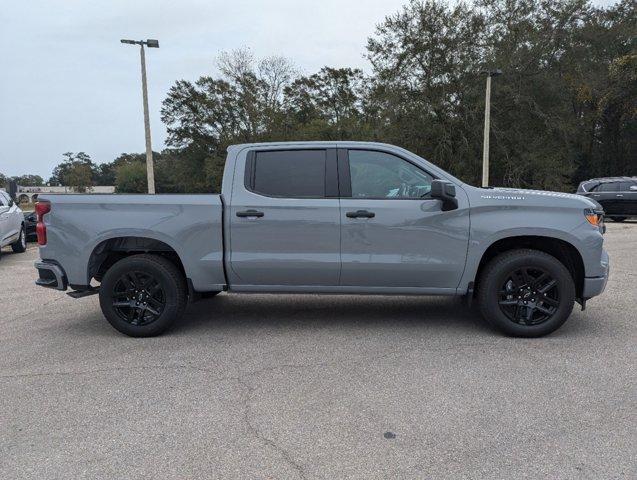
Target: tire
(546,293)
(618,219)
(143,295)
(20,245)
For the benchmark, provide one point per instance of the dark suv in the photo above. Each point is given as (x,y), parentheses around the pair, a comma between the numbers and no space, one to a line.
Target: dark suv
(617,195)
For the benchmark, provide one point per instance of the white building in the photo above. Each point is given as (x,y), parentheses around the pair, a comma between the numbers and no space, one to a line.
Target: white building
(30,194)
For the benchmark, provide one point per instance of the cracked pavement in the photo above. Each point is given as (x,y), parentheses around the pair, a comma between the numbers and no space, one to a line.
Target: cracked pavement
(285,387)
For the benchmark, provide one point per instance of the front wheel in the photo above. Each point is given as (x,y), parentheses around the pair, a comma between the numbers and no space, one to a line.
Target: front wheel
(526,293)
(20,245)
(143,295)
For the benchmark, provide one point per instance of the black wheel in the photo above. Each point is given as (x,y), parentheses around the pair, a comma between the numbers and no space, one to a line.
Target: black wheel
(20,245)
(618,219)
(526,293)
(143,295)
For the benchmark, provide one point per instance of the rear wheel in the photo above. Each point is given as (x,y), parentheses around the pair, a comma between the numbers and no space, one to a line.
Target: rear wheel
(526,293)
(20,245)
(618,219)
(143,295)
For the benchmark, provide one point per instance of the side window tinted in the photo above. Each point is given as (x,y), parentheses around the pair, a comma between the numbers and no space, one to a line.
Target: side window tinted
(625,186)
(382,175)
(608,187)
(289,173)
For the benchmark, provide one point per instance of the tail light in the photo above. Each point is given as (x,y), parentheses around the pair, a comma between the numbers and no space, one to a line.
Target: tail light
(41,208)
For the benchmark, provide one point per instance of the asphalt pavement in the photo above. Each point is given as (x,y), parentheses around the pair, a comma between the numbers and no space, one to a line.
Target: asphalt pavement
(312,387)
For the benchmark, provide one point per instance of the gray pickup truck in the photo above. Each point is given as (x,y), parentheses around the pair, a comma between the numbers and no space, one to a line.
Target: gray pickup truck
(327,217)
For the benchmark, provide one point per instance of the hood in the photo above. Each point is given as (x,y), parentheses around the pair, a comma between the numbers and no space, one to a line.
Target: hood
(536,197)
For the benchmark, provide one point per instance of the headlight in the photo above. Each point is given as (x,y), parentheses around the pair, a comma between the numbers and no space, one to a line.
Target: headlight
(595,217)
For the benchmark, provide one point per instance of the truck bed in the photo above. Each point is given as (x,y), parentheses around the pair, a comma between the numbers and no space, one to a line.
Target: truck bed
(191,225)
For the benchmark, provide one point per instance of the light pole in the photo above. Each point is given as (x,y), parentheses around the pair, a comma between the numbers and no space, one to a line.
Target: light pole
(150,170)
(487,125)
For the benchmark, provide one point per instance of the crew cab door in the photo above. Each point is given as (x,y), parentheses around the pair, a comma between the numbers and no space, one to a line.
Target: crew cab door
(284,219)
(627,197)
(606,194)
(394,235)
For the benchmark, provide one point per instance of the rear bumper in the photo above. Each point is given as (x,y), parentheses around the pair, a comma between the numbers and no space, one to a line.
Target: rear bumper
(51,275)
(594,286)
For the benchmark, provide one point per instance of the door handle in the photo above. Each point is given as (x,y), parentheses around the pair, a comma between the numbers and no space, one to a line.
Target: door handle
(360,214)
(250,213)
(619,195)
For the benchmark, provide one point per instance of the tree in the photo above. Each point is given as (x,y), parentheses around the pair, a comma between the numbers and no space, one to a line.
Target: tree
(429,92)
(244,105)
(563,111)
(131,178)
(29,180)
(329,104)
(76,171)
(104,174)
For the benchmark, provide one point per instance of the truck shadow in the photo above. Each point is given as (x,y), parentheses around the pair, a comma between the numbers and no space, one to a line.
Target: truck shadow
(229,312)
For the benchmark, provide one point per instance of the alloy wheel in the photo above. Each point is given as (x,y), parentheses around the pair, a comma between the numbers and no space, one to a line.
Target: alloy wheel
(529,296)
(138,298)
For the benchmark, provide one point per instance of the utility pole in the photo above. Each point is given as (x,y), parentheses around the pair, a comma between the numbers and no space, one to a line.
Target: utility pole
(150,169)
(487,126)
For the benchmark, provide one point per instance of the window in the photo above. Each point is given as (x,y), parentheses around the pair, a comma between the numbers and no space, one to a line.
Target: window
(587,187)
(608,187)
(382,175)
(3,201)
(288,173)
(625,186)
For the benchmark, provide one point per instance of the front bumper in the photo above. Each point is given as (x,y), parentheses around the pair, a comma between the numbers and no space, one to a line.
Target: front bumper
(594,286)
(51,275)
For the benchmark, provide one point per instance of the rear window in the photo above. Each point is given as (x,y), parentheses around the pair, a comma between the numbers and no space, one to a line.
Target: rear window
(289,173)
(625,186)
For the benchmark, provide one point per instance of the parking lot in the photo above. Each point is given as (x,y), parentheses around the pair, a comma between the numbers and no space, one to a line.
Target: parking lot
(278,387)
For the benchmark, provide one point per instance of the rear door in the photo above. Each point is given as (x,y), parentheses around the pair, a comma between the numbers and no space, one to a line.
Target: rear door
(394,235)
(284,219)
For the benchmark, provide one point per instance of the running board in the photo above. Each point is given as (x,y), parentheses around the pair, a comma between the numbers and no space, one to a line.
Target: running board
(83,293)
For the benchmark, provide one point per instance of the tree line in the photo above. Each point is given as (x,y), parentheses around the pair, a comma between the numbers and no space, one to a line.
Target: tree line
(564,110)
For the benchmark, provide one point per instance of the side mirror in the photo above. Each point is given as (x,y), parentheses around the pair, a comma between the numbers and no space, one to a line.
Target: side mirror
(445,191)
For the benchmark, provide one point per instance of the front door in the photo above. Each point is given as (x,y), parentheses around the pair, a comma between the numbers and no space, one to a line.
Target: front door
(284,219)
(393,233)
(606,194)
(627,197)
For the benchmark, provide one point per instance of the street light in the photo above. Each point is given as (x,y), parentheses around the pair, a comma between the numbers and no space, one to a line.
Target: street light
(150,171)
(487,125)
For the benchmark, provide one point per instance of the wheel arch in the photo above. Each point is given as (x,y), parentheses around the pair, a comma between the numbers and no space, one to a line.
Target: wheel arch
(562,250)
(106,253)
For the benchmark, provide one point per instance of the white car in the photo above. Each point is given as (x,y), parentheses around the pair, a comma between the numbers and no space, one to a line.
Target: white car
(12,231)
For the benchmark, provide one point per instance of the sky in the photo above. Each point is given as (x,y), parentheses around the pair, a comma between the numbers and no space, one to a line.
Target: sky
(68,84)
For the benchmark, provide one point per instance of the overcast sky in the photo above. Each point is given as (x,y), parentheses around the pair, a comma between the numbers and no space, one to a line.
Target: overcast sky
(67,84)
